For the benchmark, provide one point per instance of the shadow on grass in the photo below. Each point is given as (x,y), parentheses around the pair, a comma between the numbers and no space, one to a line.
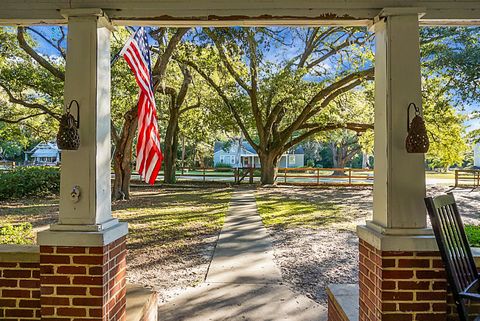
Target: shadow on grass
(38,212)
(171,224)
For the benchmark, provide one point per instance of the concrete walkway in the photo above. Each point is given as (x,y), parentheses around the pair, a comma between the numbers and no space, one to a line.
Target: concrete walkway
(243,281)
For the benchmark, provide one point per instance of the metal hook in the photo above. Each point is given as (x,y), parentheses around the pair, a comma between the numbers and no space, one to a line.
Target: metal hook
(78,111)
(417,112)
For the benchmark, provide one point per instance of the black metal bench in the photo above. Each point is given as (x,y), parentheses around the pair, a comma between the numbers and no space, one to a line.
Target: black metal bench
(462,274)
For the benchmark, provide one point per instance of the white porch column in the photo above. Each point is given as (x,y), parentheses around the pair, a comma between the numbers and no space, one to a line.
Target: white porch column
(84,255)
(87,80)
(396,249)
(399,183)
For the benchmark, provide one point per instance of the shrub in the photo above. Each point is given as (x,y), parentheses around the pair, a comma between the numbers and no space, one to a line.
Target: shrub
(29,181)
(473,234)
(223,167)
(16,234)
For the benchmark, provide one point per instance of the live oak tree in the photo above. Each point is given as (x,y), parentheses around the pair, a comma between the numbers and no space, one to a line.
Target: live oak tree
(277,98)
(277,103)
(30,95)
(448,143)
(27,90)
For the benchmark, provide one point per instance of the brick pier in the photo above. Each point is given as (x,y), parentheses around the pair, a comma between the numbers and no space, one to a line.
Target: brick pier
(86,282)
(401,285)
(20,286)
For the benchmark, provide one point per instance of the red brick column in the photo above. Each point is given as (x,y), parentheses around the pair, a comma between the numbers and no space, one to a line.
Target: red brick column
(83,283)
(401,286)
(19,291)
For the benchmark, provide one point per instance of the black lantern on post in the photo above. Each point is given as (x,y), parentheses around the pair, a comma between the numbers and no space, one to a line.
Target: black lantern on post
(417,139)
(68,137)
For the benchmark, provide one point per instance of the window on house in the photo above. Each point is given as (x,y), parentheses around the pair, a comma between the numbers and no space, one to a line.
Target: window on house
(291,159)
(222,159)
(232,160)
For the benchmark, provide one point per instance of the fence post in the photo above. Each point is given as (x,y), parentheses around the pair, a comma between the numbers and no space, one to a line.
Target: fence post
(456,178)
(204,173)
(349,176)
(285,174)
(251,175)
(318,176)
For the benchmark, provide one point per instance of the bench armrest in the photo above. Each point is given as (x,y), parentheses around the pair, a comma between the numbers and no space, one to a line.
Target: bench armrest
(470,296)
(471,292)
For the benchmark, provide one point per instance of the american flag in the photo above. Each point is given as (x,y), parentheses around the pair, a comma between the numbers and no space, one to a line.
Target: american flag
(149,153)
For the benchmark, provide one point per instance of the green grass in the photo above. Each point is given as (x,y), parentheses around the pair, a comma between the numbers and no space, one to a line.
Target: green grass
(173,218)
(17,234)
(447,175)
(37,211)
(285,212)
(473,234)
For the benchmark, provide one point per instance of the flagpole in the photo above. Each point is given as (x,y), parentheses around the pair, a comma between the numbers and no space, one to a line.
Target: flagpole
(117,55)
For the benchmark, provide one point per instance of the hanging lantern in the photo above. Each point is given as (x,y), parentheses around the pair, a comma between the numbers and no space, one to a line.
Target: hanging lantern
(417,139)
(68,137)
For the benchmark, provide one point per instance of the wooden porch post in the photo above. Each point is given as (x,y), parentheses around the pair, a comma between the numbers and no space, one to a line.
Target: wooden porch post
(82,258)
(401,275)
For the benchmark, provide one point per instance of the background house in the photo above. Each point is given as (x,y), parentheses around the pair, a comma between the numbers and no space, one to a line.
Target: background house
(228,153)
(44,154)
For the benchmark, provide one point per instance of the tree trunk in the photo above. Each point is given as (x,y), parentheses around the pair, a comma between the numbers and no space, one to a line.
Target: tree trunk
(171,144)
(122,159)
(268,162)
(338,159)
(183,153)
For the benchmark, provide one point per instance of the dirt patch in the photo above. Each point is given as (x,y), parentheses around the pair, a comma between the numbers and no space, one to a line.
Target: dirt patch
(333,250)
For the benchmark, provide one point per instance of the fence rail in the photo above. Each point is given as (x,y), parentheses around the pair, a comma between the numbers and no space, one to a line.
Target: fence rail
(467,178)
(6,166)
(325,176)
(291,176)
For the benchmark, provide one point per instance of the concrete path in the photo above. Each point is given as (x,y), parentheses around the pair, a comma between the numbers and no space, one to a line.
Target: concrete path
(243,281)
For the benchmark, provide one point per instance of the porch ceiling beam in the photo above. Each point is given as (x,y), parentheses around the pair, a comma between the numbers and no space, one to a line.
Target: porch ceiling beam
(247,12)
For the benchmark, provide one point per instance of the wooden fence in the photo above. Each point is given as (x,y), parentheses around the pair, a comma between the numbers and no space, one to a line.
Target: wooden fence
(325,176)
(290,176)
(467,178)
(6,166)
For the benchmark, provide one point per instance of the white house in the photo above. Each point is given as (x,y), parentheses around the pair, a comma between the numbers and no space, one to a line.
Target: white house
(228,153)
(476,155)
(44,154)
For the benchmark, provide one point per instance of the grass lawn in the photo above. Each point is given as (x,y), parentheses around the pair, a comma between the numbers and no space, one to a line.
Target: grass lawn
(473,234)
(172,218)
(284,212)
(172,232)
(38,212)
(166,218)
(447,175)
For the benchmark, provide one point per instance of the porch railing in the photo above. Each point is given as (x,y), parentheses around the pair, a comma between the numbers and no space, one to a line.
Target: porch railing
(467,178)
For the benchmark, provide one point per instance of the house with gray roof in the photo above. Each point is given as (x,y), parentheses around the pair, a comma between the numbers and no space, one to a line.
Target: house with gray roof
(229,154)
(44,154)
